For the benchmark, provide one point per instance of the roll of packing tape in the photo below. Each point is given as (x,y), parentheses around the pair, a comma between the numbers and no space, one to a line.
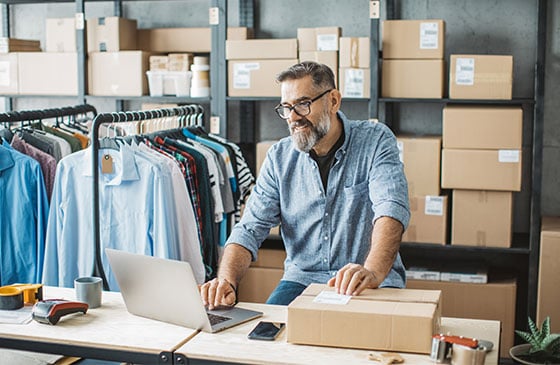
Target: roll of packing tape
(463,355)
(10,298)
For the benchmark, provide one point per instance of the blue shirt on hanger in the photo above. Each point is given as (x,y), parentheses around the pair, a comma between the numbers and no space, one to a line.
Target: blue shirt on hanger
(24,209)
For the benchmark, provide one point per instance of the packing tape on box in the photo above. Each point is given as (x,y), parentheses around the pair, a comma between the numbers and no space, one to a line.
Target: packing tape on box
(463,355)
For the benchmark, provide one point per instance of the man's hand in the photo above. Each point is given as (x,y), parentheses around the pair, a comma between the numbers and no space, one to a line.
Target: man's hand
(352,279)
(218,293)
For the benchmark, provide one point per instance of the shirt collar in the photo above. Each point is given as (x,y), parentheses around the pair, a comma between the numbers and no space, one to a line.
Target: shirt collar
(128,168)
(6,159)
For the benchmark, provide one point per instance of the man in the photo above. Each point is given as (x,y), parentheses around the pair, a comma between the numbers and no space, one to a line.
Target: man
(339,191)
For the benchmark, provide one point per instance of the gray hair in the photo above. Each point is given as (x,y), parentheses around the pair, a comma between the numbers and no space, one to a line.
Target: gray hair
(322,75)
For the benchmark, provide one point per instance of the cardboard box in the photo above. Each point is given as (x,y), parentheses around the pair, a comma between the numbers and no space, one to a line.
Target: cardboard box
(262,149)
(548,299)
(180,61)
(60,35)
(465,276)
(159,63)
(481,169)
(261,49)
(9,73)
(270,258)
(118,73)
(422,273)
(318,39)
(329,58)
(413,39)
(256,77)
(413,79)
(111,34)
(428,220)
(482,127)
(380,319)
(258,283)
(196,40)
(492,301)
(481,77)
(8,45)
(354,52)
(42,73)
(481,218)
(421,158)
(354,82)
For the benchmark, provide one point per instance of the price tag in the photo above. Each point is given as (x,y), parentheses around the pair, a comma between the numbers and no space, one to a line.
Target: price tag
(107,164)
(215,125)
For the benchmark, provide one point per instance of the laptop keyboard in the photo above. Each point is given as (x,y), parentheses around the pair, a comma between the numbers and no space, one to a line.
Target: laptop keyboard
(215,319)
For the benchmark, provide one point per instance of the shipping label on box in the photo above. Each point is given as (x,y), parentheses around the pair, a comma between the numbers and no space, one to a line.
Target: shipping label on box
(318,39)
(481,218)
(482,127)
(421,158)
(381,319)
(355,82)
(481,77)
(413,39)
(412,79)
(481,169)
(256,77)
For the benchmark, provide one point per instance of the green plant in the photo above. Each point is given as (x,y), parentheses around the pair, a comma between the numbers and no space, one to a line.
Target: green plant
(545,346)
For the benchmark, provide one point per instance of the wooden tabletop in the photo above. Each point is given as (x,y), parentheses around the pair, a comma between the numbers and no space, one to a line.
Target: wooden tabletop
(233,346)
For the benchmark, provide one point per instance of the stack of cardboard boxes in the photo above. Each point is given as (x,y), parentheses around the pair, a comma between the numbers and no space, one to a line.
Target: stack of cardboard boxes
(320,45)
(413,58)
(354,63)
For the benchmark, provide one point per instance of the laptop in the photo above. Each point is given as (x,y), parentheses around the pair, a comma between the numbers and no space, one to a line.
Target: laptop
(166,290)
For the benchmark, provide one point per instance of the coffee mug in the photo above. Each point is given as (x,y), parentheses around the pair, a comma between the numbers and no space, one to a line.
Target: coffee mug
(88,290)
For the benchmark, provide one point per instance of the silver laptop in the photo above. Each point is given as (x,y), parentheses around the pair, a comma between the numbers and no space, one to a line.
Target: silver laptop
(166,290)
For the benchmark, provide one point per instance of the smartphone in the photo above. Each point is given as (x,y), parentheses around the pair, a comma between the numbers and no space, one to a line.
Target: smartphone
(267,331)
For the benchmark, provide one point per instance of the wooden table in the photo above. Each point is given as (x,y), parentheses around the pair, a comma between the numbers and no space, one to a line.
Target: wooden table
(111,333)
(107,333)
(232,346)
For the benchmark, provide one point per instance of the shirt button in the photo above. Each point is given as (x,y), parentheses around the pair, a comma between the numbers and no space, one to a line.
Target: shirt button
(326,238)
(326,214)
(324,260)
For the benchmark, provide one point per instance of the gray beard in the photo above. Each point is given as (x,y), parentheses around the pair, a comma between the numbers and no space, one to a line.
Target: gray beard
(304,141)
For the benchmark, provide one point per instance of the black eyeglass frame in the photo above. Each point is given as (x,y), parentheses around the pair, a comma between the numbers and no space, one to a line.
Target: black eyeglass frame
(307,103)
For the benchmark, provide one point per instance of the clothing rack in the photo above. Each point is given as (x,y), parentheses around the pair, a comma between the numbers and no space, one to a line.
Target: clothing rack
(31,115)
(117,117)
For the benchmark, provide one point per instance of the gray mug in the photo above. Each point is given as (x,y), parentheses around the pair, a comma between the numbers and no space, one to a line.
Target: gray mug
(88,290)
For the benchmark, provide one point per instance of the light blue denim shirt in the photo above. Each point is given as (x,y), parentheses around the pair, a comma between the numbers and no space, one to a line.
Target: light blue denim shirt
(325,230)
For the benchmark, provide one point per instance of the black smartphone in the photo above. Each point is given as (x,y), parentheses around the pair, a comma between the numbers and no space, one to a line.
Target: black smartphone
(267,331)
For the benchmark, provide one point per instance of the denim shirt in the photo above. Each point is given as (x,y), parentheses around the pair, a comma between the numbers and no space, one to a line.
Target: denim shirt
(325,230)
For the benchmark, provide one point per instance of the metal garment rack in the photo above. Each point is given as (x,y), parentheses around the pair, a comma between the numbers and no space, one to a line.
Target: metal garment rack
(33,115)
(118,117)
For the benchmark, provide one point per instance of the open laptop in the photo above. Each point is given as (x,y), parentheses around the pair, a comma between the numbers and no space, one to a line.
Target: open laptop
(166,290)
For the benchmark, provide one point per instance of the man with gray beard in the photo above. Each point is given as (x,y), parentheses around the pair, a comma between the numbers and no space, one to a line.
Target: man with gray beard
(336,187)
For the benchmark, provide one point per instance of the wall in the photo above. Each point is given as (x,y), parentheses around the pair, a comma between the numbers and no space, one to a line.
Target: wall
(476,26)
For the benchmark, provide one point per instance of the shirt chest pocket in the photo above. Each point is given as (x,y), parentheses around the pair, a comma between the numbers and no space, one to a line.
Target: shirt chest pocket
(360,190)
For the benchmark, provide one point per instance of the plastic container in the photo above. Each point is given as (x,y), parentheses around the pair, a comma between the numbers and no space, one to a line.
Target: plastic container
(176,83)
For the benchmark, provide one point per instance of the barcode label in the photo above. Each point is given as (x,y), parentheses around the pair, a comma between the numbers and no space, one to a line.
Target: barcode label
(242,74)
(464,71)
(434,205)
(327,42)
(429,33)
(508,156)
(354,83)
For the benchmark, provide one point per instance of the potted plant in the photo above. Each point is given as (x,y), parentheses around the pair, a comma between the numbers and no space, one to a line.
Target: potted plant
(542,347)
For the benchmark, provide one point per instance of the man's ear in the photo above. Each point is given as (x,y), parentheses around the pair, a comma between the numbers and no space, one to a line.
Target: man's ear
(335,100)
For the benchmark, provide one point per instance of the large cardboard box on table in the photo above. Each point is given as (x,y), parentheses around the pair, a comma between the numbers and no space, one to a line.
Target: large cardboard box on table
(421,158)
(548,300)
(118,73)
(413,79)
(492,301)
(482,127)
(261,49)
(319,39)
(380,319)
(481,169)
(47,73)
(9,73)
(428,220)
(60,35)
(413,39)
(481,218)
(192,39)
(256,77)
(480,77)
(111,34)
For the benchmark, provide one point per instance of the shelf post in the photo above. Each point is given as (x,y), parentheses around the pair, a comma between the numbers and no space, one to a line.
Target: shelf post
(374,7)
(8,105)
(218,68)
(81,50)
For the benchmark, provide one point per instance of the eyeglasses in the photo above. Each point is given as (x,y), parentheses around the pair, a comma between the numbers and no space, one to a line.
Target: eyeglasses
(302,108)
